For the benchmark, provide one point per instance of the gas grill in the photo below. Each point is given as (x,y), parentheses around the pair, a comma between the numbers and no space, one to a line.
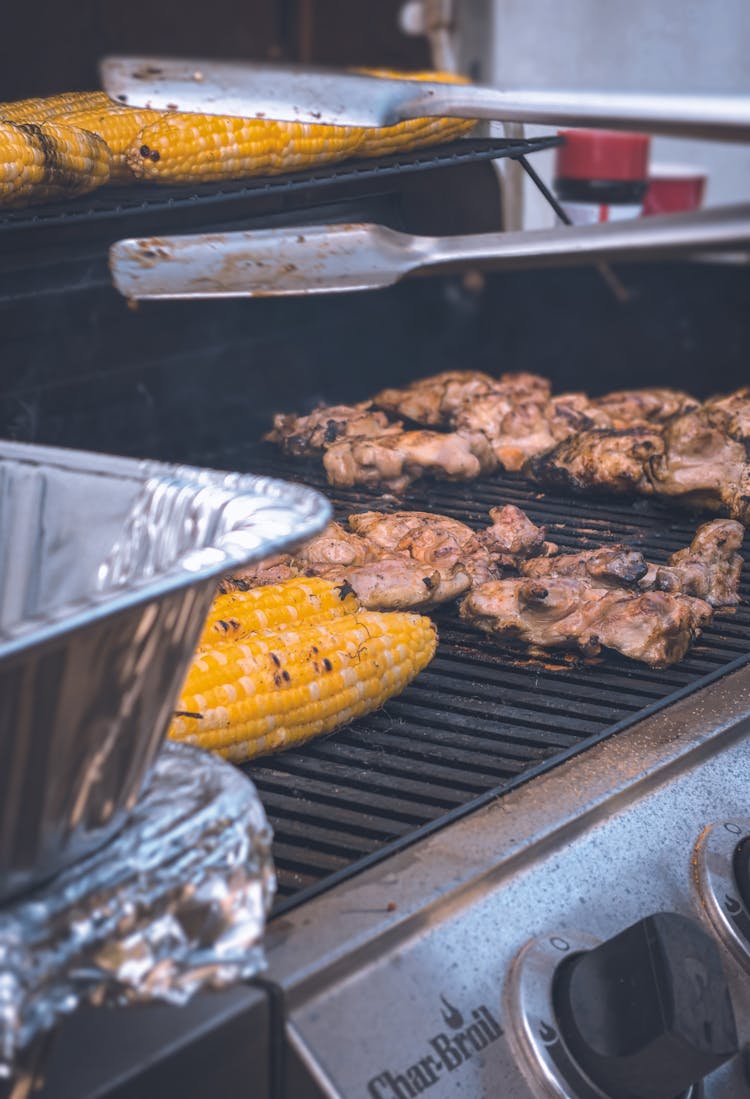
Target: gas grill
(437,859)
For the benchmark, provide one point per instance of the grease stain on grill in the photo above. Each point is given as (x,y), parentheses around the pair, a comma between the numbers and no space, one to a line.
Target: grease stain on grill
(479,719)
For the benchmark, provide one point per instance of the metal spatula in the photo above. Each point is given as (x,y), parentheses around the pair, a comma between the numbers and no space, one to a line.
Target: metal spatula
(324,258)
(326,96)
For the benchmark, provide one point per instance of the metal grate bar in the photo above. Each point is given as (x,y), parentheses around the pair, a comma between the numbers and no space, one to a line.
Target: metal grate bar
(481,718)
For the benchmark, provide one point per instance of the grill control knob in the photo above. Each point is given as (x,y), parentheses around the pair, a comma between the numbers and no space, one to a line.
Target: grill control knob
(647,1013)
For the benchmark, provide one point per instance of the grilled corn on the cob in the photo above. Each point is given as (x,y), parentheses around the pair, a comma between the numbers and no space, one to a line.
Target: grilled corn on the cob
(118,125)
(41,163)
(41,108)
(236,615)
(191,148)
(281,688)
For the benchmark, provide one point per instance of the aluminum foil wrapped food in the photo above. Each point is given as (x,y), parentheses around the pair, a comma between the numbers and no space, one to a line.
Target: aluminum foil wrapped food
(176,902)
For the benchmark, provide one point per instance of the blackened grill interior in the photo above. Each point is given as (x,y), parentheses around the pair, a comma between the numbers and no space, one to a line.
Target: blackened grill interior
(480,719)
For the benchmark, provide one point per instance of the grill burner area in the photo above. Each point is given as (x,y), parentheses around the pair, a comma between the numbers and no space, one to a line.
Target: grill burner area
(479,719)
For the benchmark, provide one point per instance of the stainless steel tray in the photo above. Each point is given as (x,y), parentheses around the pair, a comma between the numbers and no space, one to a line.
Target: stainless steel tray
(107,569)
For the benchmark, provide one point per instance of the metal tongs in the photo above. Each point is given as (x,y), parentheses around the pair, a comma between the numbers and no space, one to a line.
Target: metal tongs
(318,259)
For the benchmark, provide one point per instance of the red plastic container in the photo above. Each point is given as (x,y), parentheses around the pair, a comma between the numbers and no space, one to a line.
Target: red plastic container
(674,187)
(601,175)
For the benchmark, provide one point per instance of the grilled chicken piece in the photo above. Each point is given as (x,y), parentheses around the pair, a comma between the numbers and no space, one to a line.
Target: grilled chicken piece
(709,568)
(701,463)
(334,546)
(641,407)
(551,613)
(382,571)
(270,571)
(395,461)
(609,567)
(656,628)
(521,429)
(513,537)
(306,435)
(435,401)
(396,583)
(445,544)
(735,411)
(614,461)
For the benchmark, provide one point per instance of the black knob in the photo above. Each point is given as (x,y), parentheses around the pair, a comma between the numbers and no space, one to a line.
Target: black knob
(647,1013)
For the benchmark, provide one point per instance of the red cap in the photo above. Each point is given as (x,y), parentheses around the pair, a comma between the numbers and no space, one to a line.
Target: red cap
(602,154)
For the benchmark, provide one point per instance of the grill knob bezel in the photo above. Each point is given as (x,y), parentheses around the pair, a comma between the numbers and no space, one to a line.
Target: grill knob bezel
(533,1033)
(718,890)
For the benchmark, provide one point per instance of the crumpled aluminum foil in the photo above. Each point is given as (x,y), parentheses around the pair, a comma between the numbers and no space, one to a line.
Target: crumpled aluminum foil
(176,902)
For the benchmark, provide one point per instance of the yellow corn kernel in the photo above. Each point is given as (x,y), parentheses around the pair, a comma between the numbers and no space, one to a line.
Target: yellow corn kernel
(41,163)
(196,148)
(41,108)
(235,615)
(281,688)
(116,124)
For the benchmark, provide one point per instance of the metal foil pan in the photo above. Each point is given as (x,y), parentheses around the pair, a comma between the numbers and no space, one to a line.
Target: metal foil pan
(107,569)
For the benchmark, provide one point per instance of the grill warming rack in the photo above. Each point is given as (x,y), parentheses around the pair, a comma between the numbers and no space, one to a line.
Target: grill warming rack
(480,719)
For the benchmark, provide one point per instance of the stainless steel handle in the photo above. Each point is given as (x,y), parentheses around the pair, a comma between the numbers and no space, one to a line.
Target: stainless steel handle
(330,258)
(715,118)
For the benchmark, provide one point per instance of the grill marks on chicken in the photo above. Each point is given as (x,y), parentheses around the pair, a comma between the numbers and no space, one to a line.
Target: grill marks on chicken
(656,628)
(709,568)
(612,598)
(395,461)
(653,441)
(302,436)
(435,401)
(627,408)
(703,464)
(611,461)
(407,559)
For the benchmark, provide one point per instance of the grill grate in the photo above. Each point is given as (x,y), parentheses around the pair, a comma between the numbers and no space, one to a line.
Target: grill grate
(139,209)
(479,719)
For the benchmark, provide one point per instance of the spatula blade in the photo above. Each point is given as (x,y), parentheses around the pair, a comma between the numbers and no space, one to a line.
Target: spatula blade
(262,263)
(285,93)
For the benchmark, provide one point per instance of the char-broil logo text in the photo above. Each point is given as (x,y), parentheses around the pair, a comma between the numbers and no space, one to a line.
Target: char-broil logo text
(448,1050)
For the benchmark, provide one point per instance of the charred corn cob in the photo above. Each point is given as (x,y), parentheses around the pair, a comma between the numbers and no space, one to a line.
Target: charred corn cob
(192,148)
(281,688)
(116,124)
(41,163)
(236,615)
(41,108)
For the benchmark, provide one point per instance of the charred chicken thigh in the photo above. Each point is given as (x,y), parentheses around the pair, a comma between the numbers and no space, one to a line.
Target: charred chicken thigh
(554,612)
(615,461)
(641,407)
(305,435)
(434,401)
(708,568)
(394,461)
